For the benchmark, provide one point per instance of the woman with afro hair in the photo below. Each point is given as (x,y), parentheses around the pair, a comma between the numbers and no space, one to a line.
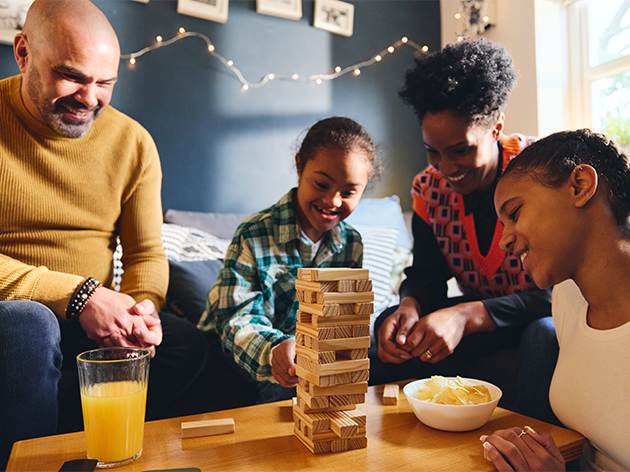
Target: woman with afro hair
(459,95)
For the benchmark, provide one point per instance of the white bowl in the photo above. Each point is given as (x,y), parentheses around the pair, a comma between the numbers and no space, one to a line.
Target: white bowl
(453,417)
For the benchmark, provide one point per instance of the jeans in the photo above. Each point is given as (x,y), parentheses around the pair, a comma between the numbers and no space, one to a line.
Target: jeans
(536,362)
(30,363)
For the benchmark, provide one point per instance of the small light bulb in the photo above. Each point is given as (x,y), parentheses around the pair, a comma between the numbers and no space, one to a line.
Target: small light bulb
(295,76)
(458,16)
(230,63)
(486,19)
(378,58)
(337,69)
(390,49)
(460,39)
(159,39)
(245,87)
(182,30)
(319,81)
(404,40)
(357,71)
(210,47)
(271,76)
(425,48)
(132,60)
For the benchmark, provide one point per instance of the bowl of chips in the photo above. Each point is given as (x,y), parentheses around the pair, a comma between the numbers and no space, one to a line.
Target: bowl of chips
(452,403)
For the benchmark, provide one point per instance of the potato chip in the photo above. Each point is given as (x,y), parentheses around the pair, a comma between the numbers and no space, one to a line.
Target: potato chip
(452,392)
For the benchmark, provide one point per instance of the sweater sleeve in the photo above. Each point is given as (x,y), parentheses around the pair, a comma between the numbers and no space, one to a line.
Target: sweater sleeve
(144,261)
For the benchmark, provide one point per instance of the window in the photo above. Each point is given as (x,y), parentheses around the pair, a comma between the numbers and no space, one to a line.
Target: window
(600,66)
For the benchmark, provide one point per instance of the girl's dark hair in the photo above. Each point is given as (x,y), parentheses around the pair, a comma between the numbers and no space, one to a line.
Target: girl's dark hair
(472,78)
(338,132)
(551,160)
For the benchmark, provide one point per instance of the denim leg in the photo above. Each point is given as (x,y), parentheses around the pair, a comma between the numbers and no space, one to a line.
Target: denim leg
(30,363)
(537,357)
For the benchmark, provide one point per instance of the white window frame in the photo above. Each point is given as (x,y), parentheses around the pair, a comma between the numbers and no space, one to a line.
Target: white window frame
(581,74)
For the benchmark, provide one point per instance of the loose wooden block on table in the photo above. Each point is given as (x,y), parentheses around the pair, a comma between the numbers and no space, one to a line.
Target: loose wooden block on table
(390,394)
(195,429)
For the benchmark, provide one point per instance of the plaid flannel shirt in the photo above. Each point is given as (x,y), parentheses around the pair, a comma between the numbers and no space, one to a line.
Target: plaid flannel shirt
(252,306)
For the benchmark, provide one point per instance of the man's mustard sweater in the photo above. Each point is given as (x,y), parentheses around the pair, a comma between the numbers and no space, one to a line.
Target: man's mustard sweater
(64,201)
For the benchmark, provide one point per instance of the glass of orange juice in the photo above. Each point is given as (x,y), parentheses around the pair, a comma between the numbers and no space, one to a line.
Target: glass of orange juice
(113,383)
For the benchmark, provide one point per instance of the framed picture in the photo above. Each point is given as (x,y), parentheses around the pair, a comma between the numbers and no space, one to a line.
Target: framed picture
(213,10)
(334,16)
(291,9)
(12,16)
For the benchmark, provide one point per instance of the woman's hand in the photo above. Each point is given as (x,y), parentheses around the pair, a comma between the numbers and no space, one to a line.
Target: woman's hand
(283,363)
(516,449)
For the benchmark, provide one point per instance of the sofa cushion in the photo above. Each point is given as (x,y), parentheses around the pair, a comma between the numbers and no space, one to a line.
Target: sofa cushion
(221,225)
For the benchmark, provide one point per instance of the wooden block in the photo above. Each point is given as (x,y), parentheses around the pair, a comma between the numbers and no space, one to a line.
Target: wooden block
(299,339)
(303,317)
(363,308)
(340,445)
(363,286)
(360,330)
(345,389)
(326,286)
(316,421)
(314,447)
(351,354)
(307,409)
(350,320)
(360,376)
(343,332)
(306,296)
(390,394)
(321,357)
(327,332)
(357,443)
(332,380)
(194,429)
(328,298)
(343,426)
(340,344)
(312,401)
(346,285)
(333,273)
(341,400)
(334,368)
(357,416)
(335,309)
(330,435)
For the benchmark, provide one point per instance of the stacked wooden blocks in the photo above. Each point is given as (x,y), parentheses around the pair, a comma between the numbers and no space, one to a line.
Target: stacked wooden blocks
(332,338)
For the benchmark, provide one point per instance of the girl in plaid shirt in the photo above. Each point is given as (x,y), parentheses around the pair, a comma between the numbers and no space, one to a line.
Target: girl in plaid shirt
(252,306)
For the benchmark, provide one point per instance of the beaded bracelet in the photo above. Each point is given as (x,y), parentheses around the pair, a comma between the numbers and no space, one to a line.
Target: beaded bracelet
(81,298)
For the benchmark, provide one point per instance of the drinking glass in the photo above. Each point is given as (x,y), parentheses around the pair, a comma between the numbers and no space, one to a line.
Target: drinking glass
(113,383)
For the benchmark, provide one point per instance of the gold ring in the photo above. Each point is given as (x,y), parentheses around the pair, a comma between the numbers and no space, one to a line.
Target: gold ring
(429,354)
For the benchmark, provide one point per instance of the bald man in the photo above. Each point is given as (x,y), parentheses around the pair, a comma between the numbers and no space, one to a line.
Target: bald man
(75,175)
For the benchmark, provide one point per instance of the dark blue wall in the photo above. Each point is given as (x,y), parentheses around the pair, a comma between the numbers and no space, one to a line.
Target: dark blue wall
(224,149)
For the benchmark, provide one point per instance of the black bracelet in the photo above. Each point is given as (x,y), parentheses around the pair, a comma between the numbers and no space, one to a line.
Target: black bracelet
(81,298)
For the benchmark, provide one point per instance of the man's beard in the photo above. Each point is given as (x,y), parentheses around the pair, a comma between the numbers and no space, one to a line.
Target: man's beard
(52,113)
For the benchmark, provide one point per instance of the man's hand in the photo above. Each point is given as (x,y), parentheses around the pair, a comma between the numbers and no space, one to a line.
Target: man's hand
(392,335)
(283,363)
(114,319)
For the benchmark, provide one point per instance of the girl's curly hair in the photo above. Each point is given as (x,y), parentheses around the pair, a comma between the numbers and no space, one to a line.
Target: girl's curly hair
(472,78)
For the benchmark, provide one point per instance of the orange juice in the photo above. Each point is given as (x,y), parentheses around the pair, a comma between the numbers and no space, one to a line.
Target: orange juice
(113,414)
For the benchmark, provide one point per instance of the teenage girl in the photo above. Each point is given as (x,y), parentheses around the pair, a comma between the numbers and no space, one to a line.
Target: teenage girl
(565,204)
(252,306)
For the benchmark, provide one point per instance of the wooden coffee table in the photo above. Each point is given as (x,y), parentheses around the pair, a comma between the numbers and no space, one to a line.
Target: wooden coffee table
(264,441)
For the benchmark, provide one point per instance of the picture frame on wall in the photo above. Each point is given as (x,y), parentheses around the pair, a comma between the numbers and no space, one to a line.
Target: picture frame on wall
(213,10)
(12,16)
(291,9)
(334,16)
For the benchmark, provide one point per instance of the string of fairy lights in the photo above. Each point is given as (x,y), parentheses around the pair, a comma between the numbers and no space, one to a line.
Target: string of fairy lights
(355,69)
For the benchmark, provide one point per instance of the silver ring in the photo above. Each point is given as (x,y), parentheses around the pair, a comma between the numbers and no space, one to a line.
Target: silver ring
(522,432)
(429,354)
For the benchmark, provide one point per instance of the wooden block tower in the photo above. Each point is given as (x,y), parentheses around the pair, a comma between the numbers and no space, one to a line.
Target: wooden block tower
(332,337)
